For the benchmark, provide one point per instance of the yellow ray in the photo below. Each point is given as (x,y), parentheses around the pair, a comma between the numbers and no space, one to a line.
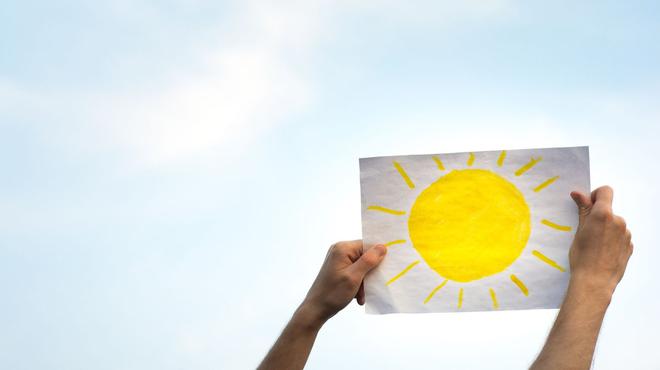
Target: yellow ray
(434,291)
(400,241)
(460,298)
(437,160)
(545,183)
(386,210)
(555,226)
(494,298)
(547,260)
(529,165)
(403,174)
(520,284)
(402,273)
(500,160)
(470,160)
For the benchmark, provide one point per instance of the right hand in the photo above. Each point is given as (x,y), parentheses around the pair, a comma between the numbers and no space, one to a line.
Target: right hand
(602,244)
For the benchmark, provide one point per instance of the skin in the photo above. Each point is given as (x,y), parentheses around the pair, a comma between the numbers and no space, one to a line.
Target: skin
(338,282)
(598,258)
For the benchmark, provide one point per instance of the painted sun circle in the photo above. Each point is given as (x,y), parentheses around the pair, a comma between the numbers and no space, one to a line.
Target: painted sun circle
(469,224)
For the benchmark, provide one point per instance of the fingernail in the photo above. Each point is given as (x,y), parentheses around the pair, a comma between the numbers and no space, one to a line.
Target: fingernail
(381,249)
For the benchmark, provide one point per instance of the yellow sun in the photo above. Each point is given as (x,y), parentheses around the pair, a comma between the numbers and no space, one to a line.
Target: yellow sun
(469,224)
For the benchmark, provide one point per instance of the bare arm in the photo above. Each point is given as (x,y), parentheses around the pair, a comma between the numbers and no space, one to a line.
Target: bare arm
(598,258)
(292,348)
(338,282)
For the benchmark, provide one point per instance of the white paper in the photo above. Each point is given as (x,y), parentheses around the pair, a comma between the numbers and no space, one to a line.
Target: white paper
(387,205)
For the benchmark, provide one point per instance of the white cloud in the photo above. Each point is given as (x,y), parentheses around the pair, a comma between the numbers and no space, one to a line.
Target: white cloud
(252,79)
(244,91)
(247,85)
(10,95)
(436,13)
(251,83)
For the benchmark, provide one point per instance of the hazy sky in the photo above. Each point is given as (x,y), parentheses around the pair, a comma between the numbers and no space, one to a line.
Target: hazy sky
(174,171)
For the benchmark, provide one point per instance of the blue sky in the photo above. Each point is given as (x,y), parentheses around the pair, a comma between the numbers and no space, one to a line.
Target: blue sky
(175,170)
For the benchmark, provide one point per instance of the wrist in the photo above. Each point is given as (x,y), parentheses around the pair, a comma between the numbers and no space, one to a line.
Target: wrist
(308,318)
(590,289)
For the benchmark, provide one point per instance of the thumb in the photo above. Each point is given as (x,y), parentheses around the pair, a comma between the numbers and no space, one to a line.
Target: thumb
(583,203)
(368,260)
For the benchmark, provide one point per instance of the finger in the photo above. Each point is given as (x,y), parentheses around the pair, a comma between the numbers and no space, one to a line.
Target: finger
(360,295)
(354,249)
(620,222)
(368,261)
(603,197)
(583,203)
(351,249)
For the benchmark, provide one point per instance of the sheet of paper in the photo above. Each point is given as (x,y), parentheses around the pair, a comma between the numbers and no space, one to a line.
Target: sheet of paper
(474,231)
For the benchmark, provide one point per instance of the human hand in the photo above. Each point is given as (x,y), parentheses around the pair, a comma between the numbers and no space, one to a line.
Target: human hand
(340,279)
(598,257)
(602,244)
(338,282)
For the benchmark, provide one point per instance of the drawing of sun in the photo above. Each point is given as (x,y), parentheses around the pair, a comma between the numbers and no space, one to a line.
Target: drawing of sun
(470,224)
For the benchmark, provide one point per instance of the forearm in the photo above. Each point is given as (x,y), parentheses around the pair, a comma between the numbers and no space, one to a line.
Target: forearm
(292,348)
(338,282)
(572,339)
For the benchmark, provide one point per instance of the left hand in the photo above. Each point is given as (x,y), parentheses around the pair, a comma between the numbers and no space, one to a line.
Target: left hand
(340,279)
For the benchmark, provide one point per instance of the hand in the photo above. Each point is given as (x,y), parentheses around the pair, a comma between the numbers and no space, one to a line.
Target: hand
(598,257)
(338,282)
(340,279)
(602,244)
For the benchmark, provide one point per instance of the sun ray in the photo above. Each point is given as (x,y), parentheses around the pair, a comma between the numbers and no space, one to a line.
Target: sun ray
(386,210)
(545,183)
(434,291)
(437,160)
(500,160)
(493,296)
(400,241)
(460,298)
(403,174)
(470,160)
(529,165)
(547,260)
(520,285)
(555,226)
(402,272)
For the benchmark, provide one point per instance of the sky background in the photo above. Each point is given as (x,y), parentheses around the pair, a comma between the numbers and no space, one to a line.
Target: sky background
(173,172)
